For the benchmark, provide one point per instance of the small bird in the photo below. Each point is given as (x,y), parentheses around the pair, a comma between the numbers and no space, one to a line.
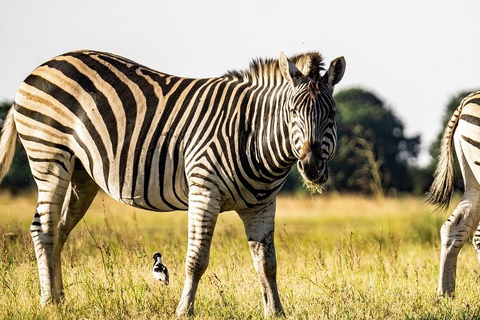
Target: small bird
(159,271)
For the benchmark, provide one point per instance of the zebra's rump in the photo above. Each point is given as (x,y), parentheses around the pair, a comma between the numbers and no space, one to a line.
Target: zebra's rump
(111,115)
(468,128)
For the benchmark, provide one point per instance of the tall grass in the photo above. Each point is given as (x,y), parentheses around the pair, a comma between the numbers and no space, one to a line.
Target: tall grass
(338,258)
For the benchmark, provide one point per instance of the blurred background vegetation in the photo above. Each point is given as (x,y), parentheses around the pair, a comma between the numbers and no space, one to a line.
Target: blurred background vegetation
(374,156)
(19,179)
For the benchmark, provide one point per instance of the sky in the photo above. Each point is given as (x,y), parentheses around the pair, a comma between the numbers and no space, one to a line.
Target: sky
(413,54)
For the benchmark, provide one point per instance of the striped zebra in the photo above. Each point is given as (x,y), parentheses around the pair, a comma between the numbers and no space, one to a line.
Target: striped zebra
(463,130)
(92,120)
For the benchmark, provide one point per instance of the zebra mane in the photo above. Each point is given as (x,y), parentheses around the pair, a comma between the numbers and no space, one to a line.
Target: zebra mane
(267,70)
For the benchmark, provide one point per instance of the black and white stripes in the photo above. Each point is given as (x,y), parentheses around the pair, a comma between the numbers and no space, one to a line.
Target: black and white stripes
(463,130)
(91,120)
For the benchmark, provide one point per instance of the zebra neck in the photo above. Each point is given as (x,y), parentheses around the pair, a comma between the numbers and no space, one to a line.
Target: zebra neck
(266,133)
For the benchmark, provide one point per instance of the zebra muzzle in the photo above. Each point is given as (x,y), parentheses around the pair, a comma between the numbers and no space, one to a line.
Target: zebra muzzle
(312,169)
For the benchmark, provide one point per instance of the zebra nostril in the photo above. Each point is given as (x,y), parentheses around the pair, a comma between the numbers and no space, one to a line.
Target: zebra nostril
(300,165)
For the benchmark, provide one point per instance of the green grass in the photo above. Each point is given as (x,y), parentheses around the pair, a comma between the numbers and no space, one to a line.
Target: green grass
(338,258)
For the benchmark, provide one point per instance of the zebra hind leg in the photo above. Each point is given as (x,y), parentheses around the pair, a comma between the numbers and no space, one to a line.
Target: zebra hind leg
(259,227)
(80,194)
(52,179)
(466,216)
(454,233)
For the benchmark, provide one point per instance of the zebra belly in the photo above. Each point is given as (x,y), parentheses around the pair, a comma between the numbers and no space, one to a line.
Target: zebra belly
(160,186)
(155,203)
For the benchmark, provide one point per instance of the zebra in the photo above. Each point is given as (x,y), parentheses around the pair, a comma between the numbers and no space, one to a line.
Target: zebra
(93,121)
(463,130)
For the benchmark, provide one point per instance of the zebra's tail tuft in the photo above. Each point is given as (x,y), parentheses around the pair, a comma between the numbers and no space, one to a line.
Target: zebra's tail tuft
(7,144)
(441,190)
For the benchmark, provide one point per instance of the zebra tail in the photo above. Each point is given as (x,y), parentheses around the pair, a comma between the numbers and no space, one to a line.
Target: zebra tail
(7,144)
(441,190)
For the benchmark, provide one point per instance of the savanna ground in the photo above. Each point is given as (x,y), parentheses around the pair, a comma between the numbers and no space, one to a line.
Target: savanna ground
(338,258)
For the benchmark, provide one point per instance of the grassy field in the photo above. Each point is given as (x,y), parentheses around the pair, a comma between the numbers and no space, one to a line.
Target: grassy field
(338,258)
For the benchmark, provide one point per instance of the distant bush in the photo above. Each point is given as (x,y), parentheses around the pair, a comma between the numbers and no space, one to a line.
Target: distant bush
(19,178)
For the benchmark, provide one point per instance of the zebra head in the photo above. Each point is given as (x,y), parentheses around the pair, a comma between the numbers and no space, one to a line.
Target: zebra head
(311,113)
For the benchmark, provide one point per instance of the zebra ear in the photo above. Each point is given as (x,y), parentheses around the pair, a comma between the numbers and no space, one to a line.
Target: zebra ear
(289,71)
(335,71)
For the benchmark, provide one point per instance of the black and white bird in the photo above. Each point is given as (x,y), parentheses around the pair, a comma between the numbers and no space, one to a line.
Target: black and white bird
(159,271)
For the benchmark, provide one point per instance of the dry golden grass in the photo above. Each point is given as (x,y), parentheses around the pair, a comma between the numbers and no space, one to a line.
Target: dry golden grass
(339,257)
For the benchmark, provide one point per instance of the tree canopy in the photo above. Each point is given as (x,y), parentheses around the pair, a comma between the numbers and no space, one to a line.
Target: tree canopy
(373,153)
(19,177)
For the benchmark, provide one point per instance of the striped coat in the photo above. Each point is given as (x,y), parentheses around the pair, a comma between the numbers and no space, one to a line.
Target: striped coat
(463,131)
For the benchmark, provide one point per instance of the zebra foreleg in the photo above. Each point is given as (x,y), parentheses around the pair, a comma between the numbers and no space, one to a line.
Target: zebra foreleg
(259,227)
(454,233)
(80,194)
(203,211)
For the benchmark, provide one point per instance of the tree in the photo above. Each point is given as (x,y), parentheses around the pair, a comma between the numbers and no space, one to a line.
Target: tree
(373,154)
(19,177)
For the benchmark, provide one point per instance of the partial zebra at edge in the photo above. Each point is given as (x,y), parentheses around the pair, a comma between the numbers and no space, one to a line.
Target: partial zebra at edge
(463,130)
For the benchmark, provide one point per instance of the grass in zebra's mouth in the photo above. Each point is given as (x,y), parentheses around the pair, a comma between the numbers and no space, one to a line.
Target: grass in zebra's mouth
(313,188)
(339,257)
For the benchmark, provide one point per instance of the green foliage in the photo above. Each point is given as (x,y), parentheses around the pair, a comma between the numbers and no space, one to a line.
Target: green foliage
(19,178)
(373,154)
(294,183)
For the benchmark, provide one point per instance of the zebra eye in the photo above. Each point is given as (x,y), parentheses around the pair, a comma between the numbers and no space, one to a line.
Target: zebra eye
(294,113)
(333,113)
